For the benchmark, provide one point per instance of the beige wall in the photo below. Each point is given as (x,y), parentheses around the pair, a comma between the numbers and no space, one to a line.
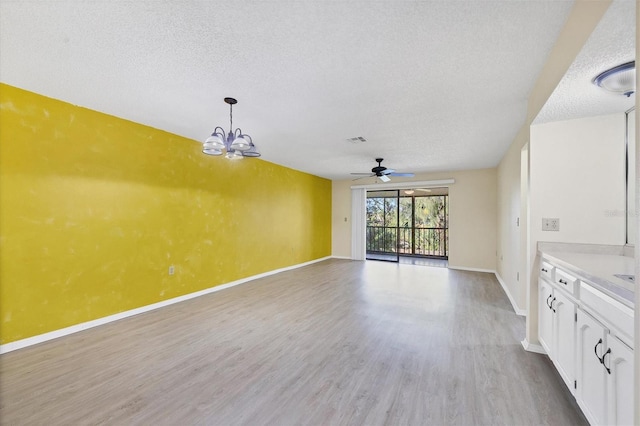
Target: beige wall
(508,264)
(472,217)
(341,218)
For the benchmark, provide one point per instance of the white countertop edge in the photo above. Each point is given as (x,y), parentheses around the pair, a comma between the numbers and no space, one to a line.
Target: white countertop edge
(607,286)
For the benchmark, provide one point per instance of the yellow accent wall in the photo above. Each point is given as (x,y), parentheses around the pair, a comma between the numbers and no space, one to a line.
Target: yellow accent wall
(94,209)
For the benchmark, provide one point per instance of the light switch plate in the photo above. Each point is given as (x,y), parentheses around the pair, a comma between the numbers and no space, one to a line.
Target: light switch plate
(550,224)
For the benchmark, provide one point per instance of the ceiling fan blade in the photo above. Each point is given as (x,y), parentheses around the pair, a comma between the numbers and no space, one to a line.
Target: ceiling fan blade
(362,177)
(387,171)
(384,178)
(401,174)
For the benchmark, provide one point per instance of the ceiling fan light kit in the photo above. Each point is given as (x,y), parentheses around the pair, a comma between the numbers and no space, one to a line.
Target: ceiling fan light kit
(234,145)
(620,79)
(382,173)
(413,191)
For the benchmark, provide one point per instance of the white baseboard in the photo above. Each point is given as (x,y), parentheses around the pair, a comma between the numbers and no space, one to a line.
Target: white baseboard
(518,311)
(462,268)
(533,348)
(30,341)
(341,257)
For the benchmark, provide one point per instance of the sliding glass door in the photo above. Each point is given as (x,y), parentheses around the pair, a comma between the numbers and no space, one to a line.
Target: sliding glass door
(383,225)
(430,226)
(408,222)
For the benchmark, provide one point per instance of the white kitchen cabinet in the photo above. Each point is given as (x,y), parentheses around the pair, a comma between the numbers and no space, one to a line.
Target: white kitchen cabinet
(619,362)
(545,316)
(564,337)
(547,271)
(587,331)
(557,328)
(604,374)
(591,389)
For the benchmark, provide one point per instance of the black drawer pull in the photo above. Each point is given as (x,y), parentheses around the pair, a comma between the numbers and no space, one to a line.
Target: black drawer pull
(595,350)
(608,352)
(544,270)
(561,281)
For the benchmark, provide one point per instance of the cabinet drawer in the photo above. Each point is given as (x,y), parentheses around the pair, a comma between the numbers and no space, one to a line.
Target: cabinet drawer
(566,281)
(546,270)
(618,316)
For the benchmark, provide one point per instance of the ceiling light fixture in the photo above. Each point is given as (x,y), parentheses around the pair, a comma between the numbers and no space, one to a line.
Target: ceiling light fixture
(620,79)
(235,144)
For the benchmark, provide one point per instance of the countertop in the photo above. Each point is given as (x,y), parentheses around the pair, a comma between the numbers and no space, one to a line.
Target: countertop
(598,270)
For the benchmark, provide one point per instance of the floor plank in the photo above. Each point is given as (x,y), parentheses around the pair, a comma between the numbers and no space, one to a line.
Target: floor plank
(337,342)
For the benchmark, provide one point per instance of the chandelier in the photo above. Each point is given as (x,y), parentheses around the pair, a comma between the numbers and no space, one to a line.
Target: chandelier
(235,144)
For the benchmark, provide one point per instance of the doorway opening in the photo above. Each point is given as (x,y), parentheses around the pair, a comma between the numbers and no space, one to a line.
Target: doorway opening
(408,226)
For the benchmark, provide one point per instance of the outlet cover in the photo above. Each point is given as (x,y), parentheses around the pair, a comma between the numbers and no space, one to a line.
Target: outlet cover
(550,224)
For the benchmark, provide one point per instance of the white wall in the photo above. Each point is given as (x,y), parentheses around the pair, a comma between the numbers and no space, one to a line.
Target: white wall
(577,175)
(472,217)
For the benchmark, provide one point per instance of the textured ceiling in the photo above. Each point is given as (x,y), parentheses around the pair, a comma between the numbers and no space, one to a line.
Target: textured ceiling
(611,43)
(431,85)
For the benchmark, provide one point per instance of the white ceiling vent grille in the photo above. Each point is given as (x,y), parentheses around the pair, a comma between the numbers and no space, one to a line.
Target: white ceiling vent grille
(357,139)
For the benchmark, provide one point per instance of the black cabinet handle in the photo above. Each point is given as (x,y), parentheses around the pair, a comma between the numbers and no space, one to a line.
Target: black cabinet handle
(548,305)
(561,281)
(553,300)
(544,270)
(595,350)
(608,352)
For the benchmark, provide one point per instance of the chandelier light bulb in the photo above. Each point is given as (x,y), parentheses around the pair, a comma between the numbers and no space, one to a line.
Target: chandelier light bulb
(216,140)
(240,144)
(210,148)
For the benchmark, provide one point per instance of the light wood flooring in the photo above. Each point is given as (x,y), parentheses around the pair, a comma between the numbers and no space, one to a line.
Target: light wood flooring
(336,342)
(412,260)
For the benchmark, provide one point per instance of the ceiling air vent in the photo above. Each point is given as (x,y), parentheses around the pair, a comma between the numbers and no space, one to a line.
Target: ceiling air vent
(357,139)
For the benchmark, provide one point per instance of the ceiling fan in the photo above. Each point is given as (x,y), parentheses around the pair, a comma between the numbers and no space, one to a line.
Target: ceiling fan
(382,172)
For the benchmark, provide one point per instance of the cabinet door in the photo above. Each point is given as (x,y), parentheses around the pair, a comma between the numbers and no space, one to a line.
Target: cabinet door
(564,337)
(619,383)
(591,389)
(545,316)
